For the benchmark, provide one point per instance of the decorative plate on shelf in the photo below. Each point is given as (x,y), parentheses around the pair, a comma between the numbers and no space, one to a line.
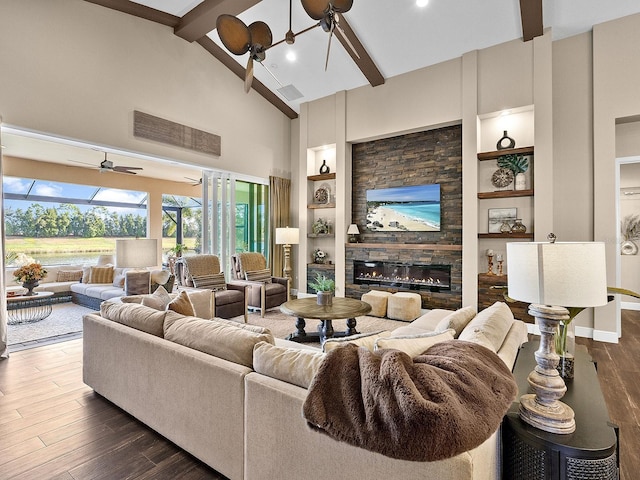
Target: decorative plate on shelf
(502,177)
(323,194)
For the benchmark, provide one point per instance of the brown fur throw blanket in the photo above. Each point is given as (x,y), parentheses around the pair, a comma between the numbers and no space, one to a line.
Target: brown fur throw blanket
(437,405)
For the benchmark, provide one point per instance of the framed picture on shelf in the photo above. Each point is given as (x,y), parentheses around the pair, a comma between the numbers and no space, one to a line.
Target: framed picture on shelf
(497,216)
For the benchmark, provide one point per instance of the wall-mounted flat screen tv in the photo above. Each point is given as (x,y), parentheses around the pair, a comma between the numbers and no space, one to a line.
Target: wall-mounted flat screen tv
(409,209)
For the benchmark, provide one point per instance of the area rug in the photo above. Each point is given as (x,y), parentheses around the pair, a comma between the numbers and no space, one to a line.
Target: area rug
(65,318)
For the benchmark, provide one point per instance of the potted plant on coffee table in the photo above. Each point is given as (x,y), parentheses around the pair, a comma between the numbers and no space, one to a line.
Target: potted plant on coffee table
(325,288)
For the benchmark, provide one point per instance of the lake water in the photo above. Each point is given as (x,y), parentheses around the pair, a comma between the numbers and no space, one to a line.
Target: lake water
(77,258)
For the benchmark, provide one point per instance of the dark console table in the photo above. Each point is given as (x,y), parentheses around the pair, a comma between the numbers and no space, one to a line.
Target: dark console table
(591,452)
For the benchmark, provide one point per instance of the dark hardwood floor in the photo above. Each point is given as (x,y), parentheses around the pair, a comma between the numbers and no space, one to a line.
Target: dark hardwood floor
(52,426)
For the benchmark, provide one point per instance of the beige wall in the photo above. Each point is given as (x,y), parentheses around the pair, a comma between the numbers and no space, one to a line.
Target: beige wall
(79,70)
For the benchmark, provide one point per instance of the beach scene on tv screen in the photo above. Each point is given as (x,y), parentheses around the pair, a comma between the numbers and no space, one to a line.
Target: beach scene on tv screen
(409,209)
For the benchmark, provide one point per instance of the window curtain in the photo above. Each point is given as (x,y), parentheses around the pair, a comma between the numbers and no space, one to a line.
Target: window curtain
(219,220)
(280,192)
(4,350)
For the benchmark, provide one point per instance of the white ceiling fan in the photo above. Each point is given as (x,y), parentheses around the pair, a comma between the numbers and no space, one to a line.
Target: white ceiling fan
(108,166)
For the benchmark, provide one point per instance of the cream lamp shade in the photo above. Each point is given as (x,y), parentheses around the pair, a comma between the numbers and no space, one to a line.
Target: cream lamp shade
(353,229)
(287,236)
(136,253)
(567,274)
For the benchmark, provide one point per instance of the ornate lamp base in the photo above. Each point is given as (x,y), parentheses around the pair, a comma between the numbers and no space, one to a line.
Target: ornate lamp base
(543,409)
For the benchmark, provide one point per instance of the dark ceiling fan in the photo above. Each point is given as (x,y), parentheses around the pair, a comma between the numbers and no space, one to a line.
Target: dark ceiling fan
(108,166)
(256,38)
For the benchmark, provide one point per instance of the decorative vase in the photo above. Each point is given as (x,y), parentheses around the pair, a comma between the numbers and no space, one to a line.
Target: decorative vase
(30,285)
(510,142)
(505,227)
(324,168)
(325,298)
(518,226)
(565,348)
(521,182)
(629,247)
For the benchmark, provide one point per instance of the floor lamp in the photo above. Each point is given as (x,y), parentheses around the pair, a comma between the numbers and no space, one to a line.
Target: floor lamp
(286,237)
(548,275)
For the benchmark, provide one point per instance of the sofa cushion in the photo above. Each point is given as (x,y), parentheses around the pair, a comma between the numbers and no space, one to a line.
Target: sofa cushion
(290,365)
(489,327)
(69,275)
(181,304)
(456,320)
(263,276)
(134,315)
(366,340)
(414,345)
(245,326)
(158,299)
(102,274)
(214,281)
(228,342)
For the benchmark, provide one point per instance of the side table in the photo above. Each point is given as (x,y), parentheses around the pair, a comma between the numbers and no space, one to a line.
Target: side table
(591,452)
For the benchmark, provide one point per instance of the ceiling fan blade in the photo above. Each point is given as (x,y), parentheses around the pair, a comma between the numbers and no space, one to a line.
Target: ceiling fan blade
(248,77)
(326,62)
(316,9)
(261,36)
(342,5)
(234,34)
(126,170)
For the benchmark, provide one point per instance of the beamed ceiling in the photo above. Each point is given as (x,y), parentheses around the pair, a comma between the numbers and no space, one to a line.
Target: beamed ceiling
(390,37)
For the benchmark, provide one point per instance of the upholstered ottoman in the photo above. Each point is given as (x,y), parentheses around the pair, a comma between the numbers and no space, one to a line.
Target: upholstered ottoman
(404,306)
(378,301)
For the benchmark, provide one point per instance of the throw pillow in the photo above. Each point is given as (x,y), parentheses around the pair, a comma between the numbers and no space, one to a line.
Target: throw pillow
(214,281)
(489,327)
(216,338)
(457,320)
(118,277)
(181,304)
(158,299)
(414,345)
(263,276)
(86,274)
(366,340)
(102,274)
(160,276)
(290,365)
(202,301)
(69,276)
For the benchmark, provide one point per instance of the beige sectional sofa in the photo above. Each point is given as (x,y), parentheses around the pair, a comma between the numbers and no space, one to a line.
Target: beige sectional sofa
(220,391)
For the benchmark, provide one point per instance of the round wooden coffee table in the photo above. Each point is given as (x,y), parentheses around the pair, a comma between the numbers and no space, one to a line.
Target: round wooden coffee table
(302,308)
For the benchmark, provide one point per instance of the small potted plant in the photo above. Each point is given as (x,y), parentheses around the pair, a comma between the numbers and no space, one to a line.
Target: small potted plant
(319,256)
(325,288)
(518,164)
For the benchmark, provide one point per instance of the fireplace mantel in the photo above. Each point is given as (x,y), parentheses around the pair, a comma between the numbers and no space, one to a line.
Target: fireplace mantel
(406,246)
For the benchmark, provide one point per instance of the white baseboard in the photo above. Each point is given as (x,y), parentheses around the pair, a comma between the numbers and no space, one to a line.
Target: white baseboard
(630,306)
(605,336)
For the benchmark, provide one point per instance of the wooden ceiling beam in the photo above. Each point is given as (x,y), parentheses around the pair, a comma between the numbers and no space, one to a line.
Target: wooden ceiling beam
(140,11)
(228,61)
(365,62)
(196,23)
(531,16)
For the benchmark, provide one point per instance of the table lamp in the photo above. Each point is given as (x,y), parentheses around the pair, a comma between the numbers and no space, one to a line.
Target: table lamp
(136,252)
(352,231)
(552,276)
(287,236)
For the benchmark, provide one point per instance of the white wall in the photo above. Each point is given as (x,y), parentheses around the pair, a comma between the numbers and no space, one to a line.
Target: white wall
(79,70)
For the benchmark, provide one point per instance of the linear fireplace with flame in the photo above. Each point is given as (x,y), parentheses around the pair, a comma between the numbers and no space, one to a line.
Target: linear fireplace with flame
(410,276)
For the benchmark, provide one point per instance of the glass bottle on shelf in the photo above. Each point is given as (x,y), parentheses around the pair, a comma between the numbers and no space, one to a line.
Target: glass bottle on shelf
(518,226)
(505,227)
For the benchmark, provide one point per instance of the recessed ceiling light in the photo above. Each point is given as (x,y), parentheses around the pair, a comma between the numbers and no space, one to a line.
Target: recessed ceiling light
(291,56)
(422,3)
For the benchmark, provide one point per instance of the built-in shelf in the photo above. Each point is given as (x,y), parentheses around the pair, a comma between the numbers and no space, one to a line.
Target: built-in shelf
(506,236)
(507,151)
(506,194)
(320,235)
(321,205)
(322,176)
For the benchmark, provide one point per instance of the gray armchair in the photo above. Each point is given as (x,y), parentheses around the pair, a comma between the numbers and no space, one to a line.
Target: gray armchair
(264,290)
(229,302)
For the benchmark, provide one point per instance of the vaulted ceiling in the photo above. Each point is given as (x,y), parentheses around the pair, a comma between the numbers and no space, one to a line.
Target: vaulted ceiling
(390,37)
